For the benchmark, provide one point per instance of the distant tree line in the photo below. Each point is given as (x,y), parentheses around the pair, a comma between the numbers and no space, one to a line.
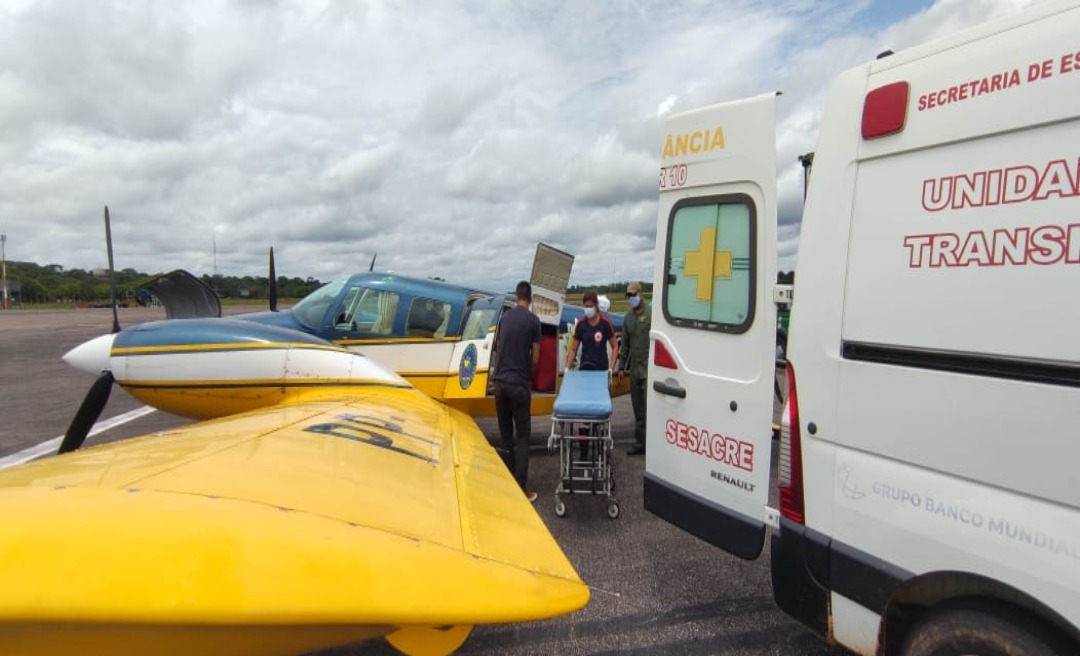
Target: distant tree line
(258,287)
(782,277)
(52,283)
(617,288)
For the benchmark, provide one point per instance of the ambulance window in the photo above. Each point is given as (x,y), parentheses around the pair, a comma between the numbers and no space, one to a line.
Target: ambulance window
(710,281)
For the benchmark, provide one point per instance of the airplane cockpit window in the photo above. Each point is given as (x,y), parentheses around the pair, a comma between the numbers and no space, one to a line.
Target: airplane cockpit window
(312,309)
(427,318)
(478,323)
(367,311)
(385,305)
(346,313)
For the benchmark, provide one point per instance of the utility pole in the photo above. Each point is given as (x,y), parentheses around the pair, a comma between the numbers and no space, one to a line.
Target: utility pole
(3,267)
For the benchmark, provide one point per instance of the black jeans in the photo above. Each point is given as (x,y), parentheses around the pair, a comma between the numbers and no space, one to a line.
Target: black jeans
(512,405)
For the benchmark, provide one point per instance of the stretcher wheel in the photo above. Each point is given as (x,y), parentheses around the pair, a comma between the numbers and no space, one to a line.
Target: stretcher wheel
(612,510)
(560,508)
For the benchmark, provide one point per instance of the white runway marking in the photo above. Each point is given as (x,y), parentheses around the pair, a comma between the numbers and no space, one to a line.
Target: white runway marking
(49,447)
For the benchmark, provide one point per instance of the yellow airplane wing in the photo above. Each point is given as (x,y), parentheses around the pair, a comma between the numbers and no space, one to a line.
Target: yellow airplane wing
(316,523)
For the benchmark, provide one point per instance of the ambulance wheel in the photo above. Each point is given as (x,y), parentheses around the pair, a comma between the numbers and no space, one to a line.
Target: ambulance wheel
(560,508)
(613,510)
(981,628)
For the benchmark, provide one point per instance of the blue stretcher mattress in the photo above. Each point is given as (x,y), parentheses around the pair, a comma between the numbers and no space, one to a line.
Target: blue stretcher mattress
(583,395)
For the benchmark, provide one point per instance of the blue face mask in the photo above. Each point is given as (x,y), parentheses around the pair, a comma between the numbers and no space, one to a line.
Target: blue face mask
(590,312)
(635,301)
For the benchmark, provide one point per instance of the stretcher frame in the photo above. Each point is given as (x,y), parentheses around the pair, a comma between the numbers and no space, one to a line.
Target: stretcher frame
(586,466)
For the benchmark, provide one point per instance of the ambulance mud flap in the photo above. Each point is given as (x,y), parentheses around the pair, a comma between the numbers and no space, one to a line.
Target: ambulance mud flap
(800,558)
(700,517)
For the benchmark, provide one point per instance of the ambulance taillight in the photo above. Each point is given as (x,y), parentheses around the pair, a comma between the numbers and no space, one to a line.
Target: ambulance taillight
(790,460)
(662,357)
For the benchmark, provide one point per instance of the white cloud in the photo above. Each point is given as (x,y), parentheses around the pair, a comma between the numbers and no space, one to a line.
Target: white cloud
(448,137)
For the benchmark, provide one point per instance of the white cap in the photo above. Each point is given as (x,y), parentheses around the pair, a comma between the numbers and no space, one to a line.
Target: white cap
(603,302)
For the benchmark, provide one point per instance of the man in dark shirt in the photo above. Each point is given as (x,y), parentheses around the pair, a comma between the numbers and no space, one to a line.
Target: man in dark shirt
(517,354)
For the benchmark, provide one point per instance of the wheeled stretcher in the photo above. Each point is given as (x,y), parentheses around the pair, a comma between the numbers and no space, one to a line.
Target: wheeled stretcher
(581,432)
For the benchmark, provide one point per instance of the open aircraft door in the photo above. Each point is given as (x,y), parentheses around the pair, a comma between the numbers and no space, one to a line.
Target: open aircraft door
(550,279)
(472,358)
(710,393)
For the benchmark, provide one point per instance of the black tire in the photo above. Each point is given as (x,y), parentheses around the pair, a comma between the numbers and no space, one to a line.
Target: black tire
(982,629)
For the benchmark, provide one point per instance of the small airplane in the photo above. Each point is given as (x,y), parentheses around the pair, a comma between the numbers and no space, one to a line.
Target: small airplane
(327,501)
(436,335)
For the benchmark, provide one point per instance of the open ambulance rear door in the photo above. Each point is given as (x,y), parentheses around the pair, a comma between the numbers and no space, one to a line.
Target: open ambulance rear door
(710,395)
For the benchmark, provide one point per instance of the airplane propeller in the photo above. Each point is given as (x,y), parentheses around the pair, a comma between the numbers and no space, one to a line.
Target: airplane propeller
(92,406)
(112,273)
(273,283)
(94,402)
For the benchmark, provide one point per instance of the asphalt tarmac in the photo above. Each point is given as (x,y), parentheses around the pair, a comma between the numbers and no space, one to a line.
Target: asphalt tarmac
(655,589)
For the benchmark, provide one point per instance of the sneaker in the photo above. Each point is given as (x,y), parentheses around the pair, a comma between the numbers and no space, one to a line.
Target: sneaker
(531,496)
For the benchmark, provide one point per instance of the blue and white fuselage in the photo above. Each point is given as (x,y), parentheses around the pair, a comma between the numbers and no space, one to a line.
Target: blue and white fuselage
(206,368)
(437,336)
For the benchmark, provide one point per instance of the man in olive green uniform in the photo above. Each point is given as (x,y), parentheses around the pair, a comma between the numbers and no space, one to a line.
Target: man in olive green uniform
(634,359)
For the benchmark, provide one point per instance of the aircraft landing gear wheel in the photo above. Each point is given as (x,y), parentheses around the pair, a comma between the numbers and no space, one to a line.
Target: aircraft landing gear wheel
(613,510)
(560,508)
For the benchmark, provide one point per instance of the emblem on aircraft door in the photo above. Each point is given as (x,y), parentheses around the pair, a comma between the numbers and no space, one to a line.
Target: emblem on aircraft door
(467,367)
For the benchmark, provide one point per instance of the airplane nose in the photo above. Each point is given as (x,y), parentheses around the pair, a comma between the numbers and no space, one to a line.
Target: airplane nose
(92,356)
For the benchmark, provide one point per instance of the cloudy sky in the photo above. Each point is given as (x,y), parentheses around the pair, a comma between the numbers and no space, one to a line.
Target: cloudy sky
(448,136)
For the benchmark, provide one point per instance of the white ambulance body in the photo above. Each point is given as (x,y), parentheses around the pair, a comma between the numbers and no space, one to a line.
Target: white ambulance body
(929,466)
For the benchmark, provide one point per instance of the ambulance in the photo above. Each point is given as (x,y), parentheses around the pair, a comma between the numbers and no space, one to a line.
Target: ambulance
(927,481)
